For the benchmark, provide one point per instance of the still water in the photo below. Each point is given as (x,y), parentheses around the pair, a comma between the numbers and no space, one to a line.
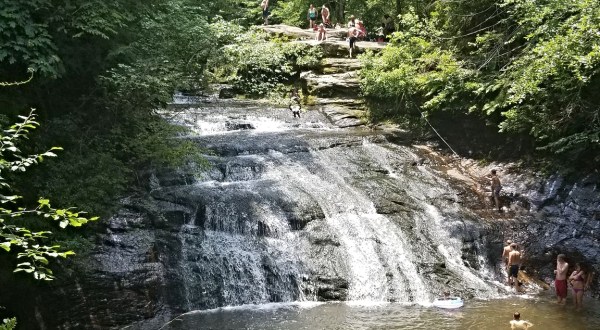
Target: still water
(486,315)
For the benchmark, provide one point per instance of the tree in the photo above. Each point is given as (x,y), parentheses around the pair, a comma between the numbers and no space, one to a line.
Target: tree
(531,68)
(30,246)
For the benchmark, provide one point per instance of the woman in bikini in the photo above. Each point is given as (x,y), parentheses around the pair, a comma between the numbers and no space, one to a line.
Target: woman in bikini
(578,280)
(312,16)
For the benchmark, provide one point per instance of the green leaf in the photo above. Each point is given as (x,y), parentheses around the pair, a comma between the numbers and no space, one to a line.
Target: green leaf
(5,246)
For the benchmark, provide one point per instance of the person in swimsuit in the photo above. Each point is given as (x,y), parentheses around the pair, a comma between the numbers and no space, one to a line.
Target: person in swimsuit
(321,33)
(352,22)
(505,253)
(519,324)
(579,282)
(265,11)
(325,16)
(560,281)
(353,34)
(295,103)
(514,263)
(496,187)
(312,16)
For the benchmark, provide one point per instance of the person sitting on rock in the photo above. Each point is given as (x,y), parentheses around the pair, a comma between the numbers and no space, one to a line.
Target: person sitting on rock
(361,29)
(321,33)
(380,33)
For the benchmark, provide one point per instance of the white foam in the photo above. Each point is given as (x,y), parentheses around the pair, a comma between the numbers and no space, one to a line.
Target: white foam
(260,307)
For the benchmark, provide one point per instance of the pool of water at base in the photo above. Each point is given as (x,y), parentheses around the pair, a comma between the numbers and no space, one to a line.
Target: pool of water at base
(542,311)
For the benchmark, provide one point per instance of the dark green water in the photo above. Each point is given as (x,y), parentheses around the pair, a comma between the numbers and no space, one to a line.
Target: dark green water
(487,315)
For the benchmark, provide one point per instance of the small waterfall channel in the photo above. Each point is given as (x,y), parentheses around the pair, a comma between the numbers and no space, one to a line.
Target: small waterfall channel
(299,210)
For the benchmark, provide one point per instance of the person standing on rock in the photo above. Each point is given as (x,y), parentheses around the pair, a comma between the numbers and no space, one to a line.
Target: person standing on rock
(265,11)
(580,280)
(325,16)
(352,22)
(295,103)
(560,281)
(496,187)
(514,263)
(312,16)
(505,254)
(353,34)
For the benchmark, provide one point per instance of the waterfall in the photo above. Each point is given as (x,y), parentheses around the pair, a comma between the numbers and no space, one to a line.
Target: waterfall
(293,211)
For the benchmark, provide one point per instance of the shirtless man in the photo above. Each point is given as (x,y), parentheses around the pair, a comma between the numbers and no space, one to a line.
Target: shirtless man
(505,253)
(518,324)
(560,281)
(514,263)
(496,187)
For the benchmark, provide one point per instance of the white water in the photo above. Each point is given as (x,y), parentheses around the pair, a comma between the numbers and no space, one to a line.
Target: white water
(246,252)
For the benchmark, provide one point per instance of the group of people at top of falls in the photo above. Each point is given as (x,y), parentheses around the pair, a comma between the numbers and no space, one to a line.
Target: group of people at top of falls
(356,28)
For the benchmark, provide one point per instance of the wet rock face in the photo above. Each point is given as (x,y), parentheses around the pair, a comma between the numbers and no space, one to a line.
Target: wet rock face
(566,219)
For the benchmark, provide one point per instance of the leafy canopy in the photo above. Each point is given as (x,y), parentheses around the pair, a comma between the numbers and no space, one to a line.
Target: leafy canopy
(529,67)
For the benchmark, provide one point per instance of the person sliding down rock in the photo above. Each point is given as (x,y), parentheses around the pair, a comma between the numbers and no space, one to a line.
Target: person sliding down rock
(295,103)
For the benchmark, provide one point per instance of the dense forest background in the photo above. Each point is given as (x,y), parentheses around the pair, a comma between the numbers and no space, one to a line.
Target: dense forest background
(99,72)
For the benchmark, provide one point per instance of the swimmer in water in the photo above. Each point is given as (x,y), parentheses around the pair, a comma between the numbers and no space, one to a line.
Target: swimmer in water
(518,324)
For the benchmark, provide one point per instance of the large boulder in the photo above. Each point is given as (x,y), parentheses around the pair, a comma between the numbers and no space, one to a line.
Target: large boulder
(343,116)
(331,85)
(339,65)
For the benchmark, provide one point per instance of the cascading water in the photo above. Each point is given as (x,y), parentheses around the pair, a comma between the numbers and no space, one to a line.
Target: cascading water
(295,210)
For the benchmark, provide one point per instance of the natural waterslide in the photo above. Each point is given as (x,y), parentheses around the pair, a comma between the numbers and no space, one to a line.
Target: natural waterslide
(299,210)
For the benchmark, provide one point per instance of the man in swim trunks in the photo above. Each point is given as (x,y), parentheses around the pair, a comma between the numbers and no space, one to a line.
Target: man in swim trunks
(514,263)
(560,281)
(496,187)
(505,252)
(518,324)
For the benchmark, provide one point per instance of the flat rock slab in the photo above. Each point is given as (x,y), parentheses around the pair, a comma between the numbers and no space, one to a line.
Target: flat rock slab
(342,116)
(288,31)
(339,65)
(299,33)
(339,48)
(350,102)
(331,85)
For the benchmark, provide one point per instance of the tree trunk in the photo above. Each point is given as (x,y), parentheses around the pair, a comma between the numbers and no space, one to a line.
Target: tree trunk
(398,7)
(340,7)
